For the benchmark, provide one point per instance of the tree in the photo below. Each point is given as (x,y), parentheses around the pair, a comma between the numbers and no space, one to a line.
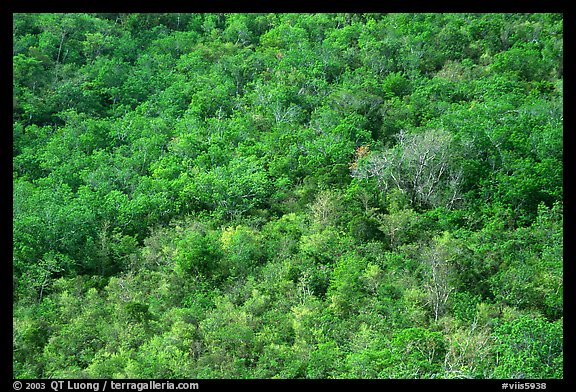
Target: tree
(346,290)
(529,347)
(438,272)
(469,352)
(424,165)
(416,353)
(242,251)
(231,190)
(228,335)
(287,195)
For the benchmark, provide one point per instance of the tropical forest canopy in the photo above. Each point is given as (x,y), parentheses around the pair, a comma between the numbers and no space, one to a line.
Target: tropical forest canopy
(287,195)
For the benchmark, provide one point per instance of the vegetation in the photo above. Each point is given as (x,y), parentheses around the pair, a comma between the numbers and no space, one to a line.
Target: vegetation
(288,195)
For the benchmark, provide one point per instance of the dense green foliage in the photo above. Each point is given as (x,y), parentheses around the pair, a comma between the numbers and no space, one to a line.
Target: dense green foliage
(288,195)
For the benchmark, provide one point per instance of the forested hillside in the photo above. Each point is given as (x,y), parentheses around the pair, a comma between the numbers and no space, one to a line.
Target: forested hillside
(287,195)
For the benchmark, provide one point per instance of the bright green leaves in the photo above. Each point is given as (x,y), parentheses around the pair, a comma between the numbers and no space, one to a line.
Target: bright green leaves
(46,220)
(418,353)
(284,37)
(408,353)
(196,252)
(184,204)
(28,338)
(73,346)
(529,347)
(530,184)
(396,85)
(230,190)
(531,272)
(524,61)
(324,361)
(189,248)
(229,335)
(346,288)
(193,249)
(243,251)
